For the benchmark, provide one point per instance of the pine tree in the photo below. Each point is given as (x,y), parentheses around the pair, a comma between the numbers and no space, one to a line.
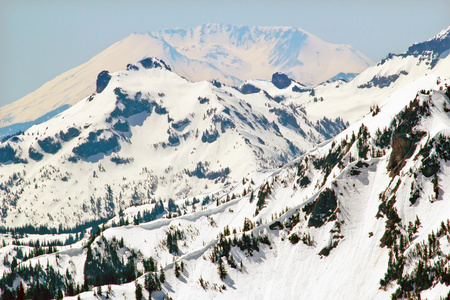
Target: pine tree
(435,182)
(177,270)
(8,295)
(221,269)
(60,295)
(138,291)
(21,292)
(151,284)
(182,266)
(162,276)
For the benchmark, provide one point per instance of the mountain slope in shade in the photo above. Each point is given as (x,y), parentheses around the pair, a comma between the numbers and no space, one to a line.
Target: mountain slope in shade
(147,133)
(231,54)
(364,215)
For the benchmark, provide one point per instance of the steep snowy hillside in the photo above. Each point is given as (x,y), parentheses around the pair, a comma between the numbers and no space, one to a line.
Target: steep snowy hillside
(351,100)
(230,54)
(362,216)
(146,133)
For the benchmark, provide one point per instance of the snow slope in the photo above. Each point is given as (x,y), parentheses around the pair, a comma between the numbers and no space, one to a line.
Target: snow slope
(352,100)
(148,134)
(334,235)
(231,54)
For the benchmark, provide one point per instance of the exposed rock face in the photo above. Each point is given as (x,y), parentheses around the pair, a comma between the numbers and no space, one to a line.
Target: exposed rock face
(103,79)
(248,88)
(7,153)
(96,144)
(281,80)
(49,145)
(149,63)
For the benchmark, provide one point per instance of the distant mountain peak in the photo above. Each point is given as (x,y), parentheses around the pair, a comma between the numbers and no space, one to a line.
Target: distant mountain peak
(230,54)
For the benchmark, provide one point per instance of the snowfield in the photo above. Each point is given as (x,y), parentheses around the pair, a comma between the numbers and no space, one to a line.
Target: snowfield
(230,54)
(209,191)
(351,232)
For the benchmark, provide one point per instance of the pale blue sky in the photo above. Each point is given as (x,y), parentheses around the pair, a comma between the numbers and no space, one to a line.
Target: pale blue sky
(42,39)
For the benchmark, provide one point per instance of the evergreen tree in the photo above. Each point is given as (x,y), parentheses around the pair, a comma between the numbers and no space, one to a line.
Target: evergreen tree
(138,291)
(151,284)
(7,295)
(60,295)
(162,276)
(21,292)
(182,266)
(177,270)
(221,269)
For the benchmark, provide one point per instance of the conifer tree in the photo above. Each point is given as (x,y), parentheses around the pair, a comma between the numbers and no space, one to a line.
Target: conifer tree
(21,292)
(162,276)
(151,284)
(60,295)
(8,295)
(138,291)
(177,270)
(221,269)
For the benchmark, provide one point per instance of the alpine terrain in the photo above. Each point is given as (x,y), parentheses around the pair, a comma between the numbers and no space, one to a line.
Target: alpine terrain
(229,54)
(156,186)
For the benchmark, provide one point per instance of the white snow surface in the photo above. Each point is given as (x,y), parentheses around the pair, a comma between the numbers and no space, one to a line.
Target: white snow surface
(352,270)
(231,54)
(182,138)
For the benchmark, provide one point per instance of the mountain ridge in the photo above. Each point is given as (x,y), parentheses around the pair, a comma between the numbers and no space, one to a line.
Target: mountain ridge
(147,111)
(346,209)
(135,47)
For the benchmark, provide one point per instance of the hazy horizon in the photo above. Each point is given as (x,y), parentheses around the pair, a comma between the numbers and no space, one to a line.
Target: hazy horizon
(41,40)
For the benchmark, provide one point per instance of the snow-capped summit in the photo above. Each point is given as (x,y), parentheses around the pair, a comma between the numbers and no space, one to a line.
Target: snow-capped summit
(351,100)
(230,54)
(248,52)
(361,216)
(147,133)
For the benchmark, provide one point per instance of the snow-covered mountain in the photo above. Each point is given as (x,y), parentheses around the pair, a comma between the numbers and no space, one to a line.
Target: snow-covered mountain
(146,134)
(248,52)
(201,196)
(351,100)
(230,54)
(363,215)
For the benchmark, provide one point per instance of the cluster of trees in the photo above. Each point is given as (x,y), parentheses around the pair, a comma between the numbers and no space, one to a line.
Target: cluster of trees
(264,191)
(146,216)
(363,141)
(104,264)
(306,238)
(222,250)
(334,157)
(22,231)
(430,265)
(393,221)
(173,236)
(153,282)
(322,209)
(42,283)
